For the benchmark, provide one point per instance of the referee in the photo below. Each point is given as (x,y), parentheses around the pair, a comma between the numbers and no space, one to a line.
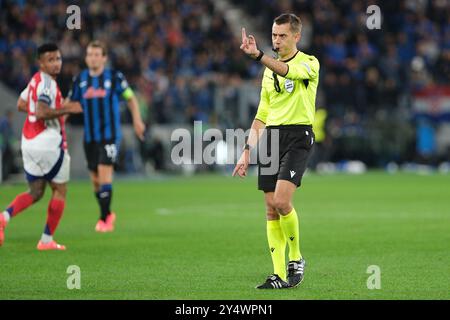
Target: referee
(287,104)
(99,91)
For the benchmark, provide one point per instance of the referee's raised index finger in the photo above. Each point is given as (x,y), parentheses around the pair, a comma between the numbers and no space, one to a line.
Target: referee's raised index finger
(243,34)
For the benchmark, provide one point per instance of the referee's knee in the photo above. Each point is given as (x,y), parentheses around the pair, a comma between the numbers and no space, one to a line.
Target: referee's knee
(282,206)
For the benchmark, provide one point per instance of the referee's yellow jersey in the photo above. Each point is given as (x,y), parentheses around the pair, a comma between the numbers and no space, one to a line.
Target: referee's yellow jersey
(290,100)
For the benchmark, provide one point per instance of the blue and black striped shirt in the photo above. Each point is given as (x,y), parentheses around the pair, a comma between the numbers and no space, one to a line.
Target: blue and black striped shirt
(100,96)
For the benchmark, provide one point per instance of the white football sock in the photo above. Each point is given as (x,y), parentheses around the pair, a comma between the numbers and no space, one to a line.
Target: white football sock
(6,215)
(46,238)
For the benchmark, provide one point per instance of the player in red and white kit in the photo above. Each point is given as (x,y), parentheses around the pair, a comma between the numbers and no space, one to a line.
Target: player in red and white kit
(44,147)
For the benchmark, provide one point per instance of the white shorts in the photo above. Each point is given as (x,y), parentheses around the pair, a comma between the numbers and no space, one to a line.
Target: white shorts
(51,165)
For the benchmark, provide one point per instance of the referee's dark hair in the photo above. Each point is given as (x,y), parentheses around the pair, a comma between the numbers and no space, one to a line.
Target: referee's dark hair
(292,19)
(46,47)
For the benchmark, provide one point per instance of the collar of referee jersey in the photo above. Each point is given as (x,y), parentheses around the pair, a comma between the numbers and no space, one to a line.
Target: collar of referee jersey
(291,57)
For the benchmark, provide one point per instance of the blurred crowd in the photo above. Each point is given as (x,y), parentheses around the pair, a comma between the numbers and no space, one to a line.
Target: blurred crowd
(364,70)
(174,52)
(178,53)
(369,77)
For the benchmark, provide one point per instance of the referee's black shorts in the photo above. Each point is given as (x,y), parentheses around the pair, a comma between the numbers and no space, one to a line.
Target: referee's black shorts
(295,144)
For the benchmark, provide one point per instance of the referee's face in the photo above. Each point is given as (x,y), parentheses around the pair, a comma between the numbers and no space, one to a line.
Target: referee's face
(284,41)
(95,59)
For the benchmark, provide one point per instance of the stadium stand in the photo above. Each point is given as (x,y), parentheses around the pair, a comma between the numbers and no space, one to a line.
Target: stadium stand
(181,55)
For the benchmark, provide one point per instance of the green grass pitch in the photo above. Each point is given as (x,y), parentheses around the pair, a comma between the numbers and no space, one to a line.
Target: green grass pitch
(204,238)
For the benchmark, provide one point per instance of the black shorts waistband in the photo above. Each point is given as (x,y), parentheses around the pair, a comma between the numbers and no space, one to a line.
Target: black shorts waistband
(292,127)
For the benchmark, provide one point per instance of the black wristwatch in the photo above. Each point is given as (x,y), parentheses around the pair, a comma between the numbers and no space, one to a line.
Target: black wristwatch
(246,146)
(260,55)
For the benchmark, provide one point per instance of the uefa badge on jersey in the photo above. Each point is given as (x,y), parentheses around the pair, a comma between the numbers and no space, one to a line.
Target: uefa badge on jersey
(289,85)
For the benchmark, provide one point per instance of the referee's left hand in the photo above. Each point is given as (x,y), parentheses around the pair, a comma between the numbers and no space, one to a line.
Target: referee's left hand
(242,165)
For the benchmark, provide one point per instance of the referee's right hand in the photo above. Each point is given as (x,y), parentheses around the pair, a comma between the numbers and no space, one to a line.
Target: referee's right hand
(249,45)
(242,164)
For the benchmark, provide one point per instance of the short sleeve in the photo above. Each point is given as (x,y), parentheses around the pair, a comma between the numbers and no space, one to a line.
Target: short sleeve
(121,83)
(24,94)
(304,69)
(45,92)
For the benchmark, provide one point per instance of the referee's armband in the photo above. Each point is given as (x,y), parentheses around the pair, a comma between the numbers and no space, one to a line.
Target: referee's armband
(128,93)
